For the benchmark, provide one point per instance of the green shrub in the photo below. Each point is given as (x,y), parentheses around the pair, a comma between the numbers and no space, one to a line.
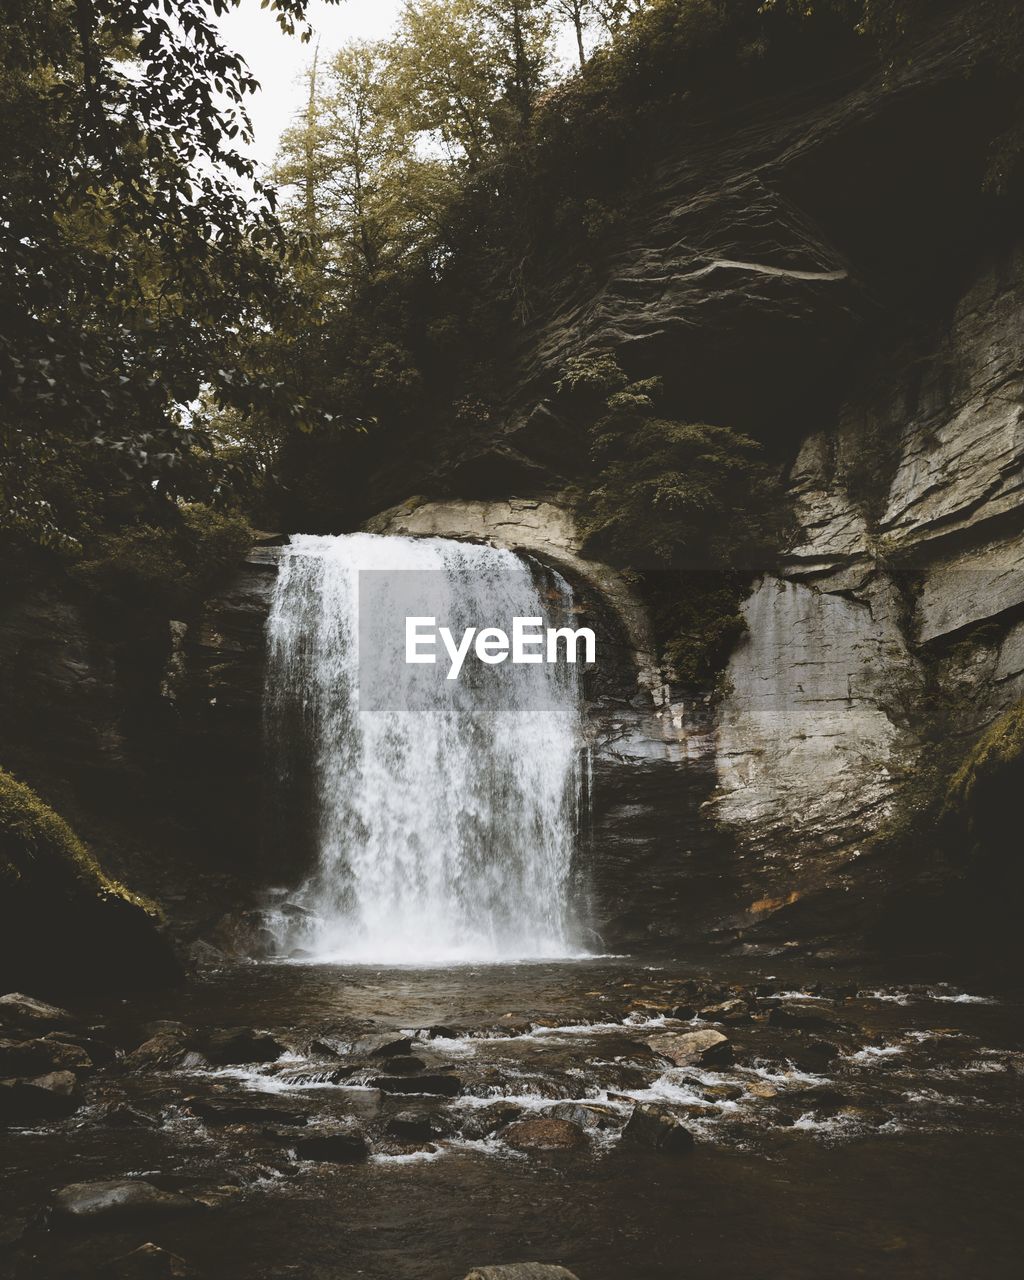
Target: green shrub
(691,508)
(165,567)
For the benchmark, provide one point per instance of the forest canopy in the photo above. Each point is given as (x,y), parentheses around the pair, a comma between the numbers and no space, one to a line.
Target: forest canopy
(179,331)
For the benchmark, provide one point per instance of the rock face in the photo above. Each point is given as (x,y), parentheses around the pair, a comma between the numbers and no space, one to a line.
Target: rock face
(783,279)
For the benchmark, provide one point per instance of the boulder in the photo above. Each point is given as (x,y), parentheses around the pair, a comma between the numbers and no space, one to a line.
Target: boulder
(101,1053)
(17,1010)
(24,1057)
(544,1133)
(684,1012)
(119,1115)
(385,1045)
(693,1048)
(440,1032)
(147,1262)
(444,1085)
(411,1126)
(167,1050)
(801,1017)
(47,1097)
(405,1065)
(36,1057)
(481,1123)
(654,1125)
(118,1201)
(588,1115)
(521,1271)
(224,1048)
(203,955)
(726,1011)
(333,1148)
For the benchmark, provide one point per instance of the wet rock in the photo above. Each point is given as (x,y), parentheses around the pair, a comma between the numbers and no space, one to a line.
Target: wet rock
(814,1056)
(47,1097)
(17,1010)
(100,1052)
(440,1032)
(405,1065)
(118,1201)
(821,1098)
(761,1089)
(510,1025)
(28,1057)
(802,1017)
(588,1115)
(168,1026)
(386,1045)
(333,1148)
(544,1133)
(479,1124)
(246,935)
(444,1085)
(120,1115)
(411,1126)
(317,1075)
(216,1111)
(684,1012)
(224,1048)
(693,1048)
(727,1011)
(521,1271)
(148,1262)
(167,1050)
(654,1125)
(697,1110)
(203,955)
(723,1092)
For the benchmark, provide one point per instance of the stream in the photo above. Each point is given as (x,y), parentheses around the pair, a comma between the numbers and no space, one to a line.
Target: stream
(860,1128)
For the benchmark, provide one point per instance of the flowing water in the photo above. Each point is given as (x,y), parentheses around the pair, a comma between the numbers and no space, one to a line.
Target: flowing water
(445,812)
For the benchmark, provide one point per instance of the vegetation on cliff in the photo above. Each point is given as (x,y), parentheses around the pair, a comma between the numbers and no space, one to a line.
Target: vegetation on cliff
(62,918)
(983,793)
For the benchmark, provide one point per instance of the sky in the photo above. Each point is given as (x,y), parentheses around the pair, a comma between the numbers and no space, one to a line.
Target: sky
(278,61)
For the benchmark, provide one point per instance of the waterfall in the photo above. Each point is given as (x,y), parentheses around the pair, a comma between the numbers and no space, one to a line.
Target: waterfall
(444,813)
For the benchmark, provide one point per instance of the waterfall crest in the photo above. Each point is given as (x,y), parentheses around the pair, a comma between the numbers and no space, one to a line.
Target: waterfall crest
(445,827)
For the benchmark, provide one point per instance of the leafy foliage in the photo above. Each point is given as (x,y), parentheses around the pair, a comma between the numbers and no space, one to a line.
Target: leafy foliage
(155,567)
(693,509)
(137,245)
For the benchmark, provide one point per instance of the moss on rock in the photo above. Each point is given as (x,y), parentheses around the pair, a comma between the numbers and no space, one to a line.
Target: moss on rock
(64,923)
(995,763)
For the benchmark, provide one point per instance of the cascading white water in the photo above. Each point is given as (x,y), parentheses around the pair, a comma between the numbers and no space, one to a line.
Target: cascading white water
(445,822)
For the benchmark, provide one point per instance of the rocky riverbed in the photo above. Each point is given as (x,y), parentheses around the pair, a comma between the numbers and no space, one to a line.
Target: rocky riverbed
(607,1116)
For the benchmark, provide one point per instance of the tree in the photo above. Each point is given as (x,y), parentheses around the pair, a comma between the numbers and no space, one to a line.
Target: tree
(449,76)
(521,31)
(576,12)
(137,245)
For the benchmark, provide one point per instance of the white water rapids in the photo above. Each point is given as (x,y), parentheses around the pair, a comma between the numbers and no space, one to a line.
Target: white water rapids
(446,813)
